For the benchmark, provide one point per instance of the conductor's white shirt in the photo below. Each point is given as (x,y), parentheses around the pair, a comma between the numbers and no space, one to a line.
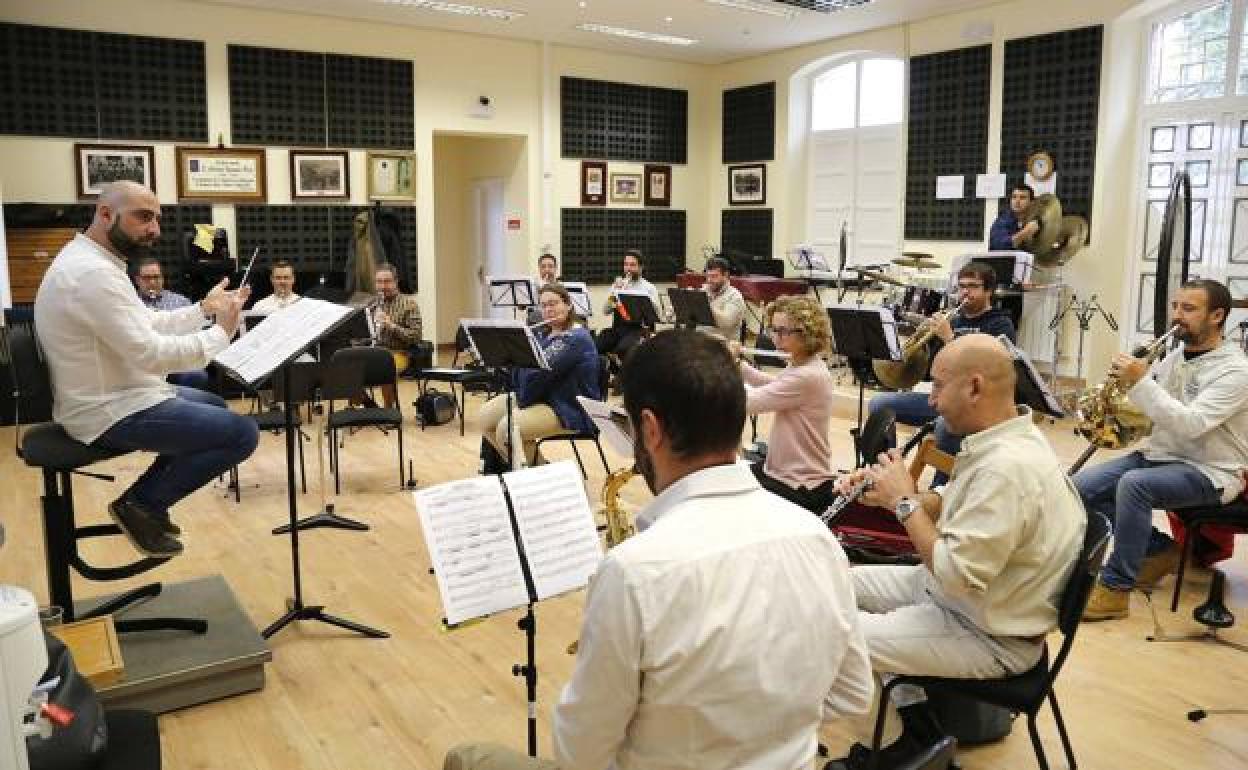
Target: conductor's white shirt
(721,636)
(108,353)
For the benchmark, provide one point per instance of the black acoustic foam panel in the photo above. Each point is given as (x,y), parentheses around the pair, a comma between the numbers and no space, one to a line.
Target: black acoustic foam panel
(1051,100)
(749,123)
(67,82)
(593,241)
(746,231)
(622,121)
(947,134)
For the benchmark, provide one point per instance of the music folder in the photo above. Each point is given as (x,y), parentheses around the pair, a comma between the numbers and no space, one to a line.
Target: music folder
(504,343)
(691,307)
(864,332)
(638,306)
(501,542)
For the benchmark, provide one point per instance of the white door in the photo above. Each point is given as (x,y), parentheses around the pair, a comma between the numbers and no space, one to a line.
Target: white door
(490,257)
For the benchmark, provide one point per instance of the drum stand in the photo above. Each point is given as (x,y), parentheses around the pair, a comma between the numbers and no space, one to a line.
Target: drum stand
(1084,312)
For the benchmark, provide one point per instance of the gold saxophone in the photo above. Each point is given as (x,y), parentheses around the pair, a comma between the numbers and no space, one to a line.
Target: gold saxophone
(1106,418)
(619,523)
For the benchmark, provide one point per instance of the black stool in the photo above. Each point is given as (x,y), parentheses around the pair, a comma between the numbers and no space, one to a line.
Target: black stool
(48,447)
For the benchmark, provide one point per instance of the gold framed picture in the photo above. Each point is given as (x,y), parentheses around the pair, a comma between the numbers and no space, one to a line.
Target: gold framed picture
(234,174)
(626,188)
(391,176)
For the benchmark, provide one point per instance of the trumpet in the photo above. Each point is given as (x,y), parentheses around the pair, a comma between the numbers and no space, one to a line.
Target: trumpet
(915,357)
(841,502)
(1106,418)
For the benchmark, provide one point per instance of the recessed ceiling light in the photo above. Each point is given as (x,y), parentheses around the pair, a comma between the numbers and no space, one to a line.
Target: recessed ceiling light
(635,34)
(461,9)
(754,6)
(667,19)
(582,4)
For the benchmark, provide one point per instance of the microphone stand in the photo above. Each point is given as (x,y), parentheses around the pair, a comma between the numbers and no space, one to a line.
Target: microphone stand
(1084,311)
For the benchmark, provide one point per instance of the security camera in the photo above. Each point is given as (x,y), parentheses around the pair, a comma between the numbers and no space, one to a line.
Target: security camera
(484,101)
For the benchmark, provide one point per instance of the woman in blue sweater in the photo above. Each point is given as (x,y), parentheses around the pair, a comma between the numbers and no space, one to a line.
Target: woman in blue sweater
(544,401)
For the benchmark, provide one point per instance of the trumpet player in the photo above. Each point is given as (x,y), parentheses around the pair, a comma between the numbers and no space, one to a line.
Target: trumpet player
(1197,399)
(998,545)
(976,283)
(624,332)
(724,633)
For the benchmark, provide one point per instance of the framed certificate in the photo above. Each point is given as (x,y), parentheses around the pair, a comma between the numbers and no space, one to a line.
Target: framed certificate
(221,174)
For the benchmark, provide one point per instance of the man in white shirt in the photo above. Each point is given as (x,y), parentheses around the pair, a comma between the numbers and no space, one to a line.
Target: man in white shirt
(108,356)
(998,545)
(282,276)
(624,333)
(547,270)
(724,633)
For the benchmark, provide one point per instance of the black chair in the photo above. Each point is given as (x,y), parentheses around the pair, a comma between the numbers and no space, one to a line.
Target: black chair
(48,447)
(1234,514)
(1026,693)
(360,368)
(604,376)
(938,756)
(272,421)
(472,378)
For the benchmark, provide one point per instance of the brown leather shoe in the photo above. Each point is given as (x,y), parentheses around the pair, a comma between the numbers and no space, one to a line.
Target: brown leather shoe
(1107,603)
(1156,567)
(142,529)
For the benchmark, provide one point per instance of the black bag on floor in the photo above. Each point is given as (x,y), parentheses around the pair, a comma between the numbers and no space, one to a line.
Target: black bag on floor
(83,742)
(970,721)
(435,407)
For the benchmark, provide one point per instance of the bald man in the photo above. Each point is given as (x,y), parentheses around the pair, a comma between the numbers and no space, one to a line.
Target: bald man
(108,356)
(998,544)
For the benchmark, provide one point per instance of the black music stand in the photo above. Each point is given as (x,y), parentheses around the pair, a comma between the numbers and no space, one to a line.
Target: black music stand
(296,608)
(506,347)
(691,307)
(639,307)
(861,335)
(1029,388)
(351,332)
(515,293)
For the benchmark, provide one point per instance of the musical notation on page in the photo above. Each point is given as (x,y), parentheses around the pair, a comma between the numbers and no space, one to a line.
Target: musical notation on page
(556,526)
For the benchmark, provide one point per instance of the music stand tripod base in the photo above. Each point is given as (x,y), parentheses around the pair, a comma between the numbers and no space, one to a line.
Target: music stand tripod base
(1208,635)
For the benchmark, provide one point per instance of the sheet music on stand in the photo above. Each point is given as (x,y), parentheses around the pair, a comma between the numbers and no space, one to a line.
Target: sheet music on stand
(612,423)
(477,559)
(514,291)
(580,298)
(495,340)
(845,317)
(252,357)
(1030,388)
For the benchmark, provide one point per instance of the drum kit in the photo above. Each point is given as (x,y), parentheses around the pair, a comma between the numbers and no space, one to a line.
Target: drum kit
(919,290)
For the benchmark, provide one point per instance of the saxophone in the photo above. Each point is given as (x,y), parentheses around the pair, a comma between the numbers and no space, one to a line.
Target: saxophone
(1106,418)
(619,523)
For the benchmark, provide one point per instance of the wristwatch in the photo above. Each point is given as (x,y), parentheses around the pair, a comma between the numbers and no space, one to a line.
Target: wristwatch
(906,506)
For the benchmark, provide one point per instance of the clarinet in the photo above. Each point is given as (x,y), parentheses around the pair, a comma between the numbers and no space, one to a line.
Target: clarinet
(858,490)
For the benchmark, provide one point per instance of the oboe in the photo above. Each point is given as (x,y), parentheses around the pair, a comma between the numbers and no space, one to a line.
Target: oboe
(858,490)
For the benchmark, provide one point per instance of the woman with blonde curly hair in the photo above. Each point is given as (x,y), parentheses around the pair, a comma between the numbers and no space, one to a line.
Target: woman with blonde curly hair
(799,455)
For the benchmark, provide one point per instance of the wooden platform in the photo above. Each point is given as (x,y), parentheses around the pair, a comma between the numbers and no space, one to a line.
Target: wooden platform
(333,700)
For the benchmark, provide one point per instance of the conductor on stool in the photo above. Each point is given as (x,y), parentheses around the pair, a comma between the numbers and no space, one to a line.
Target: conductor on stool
(108,356)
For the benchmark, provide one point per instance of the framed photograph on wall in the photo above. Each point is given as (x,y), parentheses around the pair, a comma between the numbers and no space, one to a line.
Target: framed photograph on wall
(626,188)
(319,174)
(392,176)
(747,184)
(99,164)
(221,174)
(593,183)
(658,185)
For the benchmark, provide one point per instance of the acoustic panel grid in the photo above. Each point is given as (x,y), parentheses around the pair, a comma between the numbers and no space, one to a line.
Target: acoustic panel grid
(1050,103)
(67,82)
(622,121)
(947,134)
(593,241)
(749,123)
(302,98)
(312,238)
(746,231)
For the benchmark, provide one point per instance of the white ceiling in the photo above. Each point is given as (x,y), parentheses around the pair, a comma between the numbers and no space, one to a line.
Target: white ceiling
(723,34)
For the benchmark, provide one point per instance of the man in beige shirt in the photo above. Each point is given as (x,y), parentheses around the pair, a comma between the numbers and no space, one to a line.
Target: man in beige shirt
(727,304)
(998,545)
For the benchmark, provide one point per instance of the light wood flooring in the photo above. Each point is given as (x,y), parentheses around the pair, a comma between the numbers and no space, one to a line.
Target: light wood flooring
(338,701)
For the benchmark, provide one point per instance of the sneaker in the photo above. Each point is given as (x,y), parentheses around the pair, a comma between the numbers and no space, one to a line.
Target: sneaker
(143,529)
(166,523)
(1107,603)
(1157,566)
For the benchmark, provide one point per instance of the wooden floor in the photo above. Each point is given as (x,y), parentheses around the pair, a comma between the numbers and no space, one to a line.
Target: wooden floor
(334,700)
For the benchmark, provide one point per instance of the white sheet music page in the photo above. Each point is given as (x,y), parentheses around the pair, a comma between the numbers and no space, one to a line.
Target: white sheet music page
(612,423)
(556,526)
(470,324)
(475,559)
(254,356)
(579,293)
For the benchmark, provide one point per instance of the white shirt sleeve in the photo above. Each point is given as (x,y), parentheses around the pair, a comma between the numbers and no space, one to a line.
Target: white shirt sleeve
(149,339)
(594,712)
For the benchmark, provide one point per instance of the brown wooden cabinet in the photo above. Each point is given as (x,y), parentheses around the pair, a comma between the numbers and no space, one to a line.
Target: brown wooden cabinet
(31,250)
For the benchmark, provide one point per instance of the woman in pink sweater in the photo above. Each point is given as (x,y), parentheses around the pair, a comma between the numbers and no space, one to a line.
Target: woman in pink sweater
(799,455)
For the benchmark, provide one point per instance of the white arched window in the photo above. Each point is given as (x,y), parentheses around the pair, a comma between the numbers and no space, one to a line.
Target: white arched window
(1195,119)
(856,157)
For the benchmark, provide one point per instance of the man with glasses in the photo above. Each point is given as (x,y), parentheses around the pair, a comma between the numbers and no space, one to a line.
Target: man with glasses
(150,282)
(976,282)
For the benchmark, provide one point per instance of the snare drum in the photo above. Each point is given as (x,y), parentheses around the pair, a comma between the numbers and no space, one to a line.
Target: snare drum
(921,301)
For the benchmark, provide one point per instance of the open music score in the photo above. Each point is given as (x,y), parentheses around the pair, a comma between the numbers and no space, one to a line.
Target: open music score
(479,564)
(284,334)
